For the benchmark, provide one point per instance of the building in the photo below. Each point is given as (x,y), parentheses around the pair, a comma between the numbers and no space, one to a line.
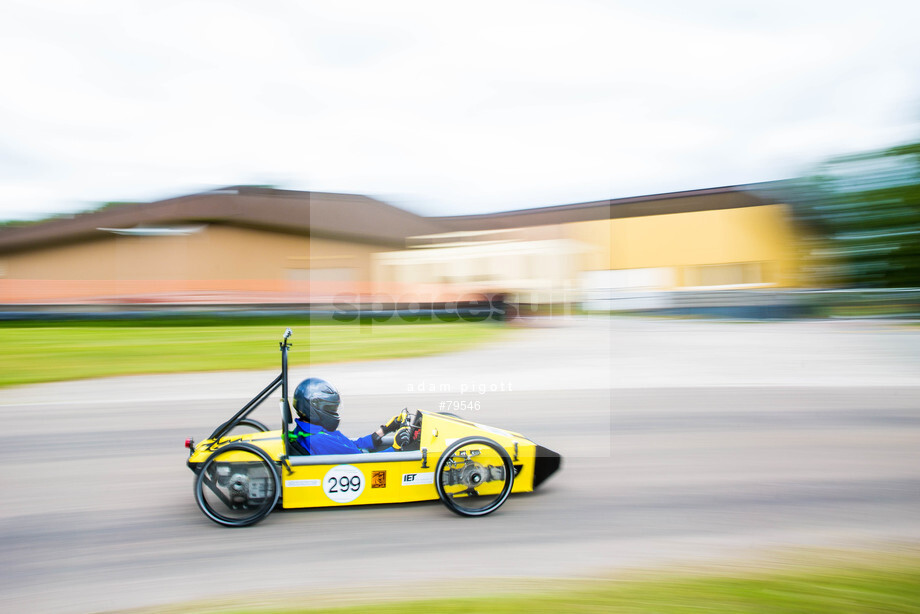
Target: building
(232,245)
(260,245)
(627,253)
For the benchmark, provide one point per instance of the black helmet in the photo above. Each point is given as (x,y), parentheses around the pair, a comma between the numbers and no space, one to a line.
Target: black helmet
(317,401)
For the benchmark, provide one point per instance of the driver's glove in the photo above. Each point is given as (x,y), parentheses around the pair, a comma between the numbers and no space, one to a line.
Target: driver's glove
(403,438)
(394,423)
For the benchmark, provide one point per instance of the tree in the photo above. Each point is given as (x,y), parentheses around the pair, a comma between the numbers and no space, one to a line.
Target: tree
(865,209)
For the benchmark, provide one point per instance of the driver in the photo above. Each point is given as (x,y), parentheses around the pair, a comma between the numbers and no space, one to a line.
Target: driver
(316,402)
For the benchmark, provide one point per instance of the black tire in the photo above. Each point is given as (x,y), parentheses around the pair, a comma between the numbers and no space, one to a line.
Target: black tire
(237,486)
(249,422)
(462,497)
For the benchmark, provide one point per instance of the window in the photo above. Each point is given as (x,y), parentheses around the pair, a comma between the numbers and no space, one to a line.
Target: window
(716,275)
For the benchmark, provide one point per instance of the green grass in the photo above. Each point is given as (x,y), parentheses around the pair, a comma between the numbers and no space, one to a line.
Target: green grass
(822,582)
(67,351)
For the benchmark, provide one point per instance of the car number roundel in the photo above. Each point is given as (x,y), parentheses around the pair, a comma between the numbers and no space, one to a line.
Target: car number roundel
(343,483)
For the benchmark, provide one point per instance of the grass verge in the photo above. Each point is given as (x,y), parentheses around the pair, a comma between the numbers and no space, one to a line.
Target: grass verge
(840,583)
(56,352)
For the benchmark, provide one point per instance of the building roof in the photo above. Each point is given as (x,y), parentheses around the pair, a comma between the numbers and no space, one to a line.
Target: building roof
(727,197)
(345,216)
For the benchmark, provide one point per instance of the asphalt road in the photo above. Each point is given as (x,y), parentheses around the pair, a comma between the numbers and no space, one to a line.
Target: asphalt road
(801,447)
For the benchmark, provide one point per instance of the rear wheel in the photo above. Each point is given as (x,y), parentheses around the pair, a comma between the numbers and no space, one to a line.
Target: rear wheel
(474,476)
(237,485)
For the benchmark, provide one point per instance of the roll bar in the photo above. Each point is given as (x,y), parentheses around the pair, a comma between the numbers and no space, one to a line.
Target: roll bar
(282,381)
(286,417)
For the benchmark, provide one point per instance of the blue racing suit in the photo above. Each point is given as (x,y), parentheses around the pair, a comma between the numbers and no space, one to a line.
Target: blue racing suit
(309,438)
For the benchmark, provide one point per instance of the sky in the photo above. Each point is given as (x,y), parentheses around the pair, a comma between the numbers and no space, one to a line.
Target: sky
(441,107)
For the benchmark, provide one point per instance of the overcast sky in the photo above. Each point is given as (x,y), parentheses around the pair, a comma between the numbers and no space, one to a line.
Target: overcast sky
(441,107)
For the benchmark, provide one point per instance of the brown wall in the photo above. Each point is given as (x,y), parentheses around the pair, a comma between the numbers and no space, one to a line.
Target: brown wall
(217,252)
(219,260)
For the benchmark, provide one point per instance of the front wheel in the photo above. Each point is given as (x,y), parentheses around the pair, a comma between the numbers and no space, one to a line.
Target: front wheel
(237,485)
(474,476)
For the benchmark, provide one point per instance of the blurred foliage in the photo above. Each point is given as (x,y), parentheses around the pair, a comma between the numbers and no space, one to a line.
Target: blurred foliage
(865,213)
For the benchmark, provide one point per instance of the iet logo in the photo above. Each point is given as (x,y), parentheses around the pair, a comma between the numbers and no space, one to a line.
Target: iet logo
(412,479)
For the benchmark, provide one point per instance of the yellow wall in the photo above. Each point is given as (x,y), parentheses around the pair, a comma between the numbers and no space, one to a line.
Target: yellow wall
(760,240)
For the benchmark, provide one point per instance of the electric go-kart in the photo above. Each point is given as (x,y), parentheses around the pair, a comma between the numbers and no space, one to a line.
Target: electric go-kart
(241,476)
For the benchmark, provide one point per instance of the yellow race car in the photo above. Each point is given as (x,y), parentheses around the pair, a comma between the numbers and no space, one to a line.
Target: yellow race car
(241,477)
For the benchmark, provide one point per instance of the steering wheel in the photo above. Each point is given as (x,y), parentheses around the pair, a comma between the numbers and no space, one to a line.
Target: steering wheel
(407,426)
(408,434)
